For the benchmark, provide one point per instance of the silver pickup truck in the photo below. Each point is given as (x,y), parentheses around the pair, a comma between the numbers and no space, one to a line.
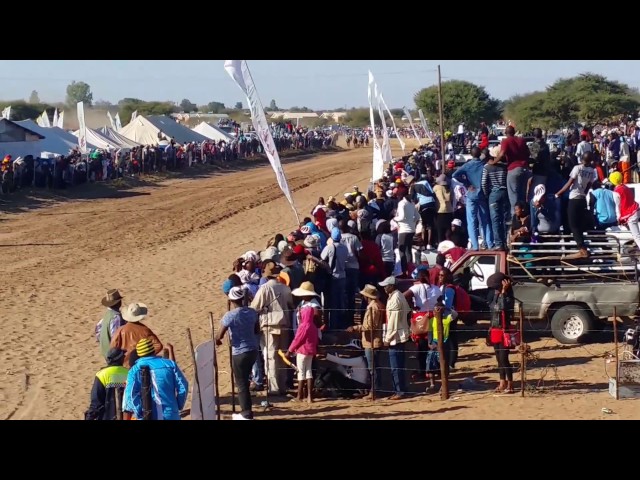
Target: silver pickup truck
(571,296)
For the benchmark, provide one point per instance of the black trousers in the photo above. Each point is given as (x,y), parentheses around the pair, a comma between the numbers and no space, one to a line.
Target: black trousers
(405,245)
(504,366)
(578,214)
(443,223)
(242,365)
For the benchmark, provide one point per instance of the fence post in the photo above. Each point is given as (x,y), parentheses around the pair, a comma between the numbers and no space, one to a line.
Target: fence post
(615,334)
(523,354)
(444,364)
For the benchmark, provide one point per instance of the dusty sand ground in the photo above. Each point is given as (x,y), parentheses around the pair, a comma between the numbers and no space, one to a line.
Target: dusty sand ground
(170,245)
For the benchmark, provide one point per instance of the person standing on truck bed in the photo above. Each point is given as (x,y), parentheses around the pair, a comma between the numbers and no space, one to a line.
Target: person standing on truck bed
(494,187)
(627,209)
(580,180)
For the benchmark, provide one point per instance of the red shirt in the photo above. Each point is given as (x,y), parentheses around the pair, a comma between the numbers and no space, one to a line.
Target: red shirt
(628,205)
(370,259)
(516,152)
(484,141)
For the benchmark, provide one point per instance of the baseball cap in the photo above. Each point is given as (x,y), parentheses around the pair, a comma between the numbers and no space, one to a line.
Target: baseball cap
(388,281)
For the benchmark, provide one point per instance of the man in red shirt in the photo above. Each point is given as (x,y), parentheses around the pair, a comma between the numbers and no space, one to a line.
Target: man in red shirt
(516,153)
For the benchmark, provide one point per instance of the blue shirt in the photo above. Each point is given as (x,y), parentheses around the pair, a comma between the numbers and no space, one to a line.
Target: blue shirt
(241,323)
(470,174)
(169,389)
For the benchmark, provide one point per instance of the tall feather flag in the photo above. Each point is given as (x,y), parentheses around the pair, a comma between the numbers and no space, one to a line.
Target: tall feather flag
(238,70)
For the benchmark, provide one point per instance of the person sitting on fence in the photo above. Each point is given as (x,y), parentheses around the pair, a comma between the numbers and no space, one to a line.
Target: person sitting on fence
(521,224)
(169,387)
(106,384)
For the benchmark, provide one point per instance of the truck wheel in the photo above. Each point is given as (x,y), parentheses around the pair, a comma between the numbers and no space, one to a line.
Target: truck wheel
(570,324)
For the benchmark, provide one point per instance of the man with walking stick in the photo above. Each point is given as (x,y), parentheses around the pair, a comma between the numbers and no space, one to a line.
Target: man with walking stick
(242,323)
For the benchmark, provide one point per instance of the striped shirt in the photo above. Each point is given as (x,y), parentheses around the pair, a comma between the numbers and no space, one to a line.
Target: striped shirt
(494,177)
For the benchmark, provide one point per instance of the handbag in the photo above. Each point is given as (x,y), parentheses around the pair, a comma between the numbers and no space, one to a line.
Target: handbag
(510,338)
(420,323)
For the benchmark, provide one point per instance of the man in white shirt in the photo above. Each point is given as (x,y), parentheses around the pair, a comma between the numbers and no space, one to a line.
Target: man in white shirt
(407,217)
(397,334)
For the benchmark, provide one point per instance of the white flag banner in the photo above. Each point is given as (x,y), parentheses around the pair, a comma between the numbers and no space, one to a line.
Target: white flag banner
(45,120)
(408,115)
(60,120)
(134,115)
(378,161)
(387,156)
(6,113)
(40,121)
(239,71)
(393,122)
(111,121)
(82,134)
(54,123)
(424,124)
(118,123)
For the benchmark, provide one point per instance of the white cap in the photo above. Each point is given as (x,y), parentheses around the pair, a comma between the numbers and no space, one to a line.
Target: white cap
(388,281)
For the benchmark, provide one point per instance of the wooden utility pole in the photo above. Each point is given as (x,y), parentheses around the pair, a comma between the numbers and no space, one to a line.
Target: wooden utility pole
(440,115)
(444,361)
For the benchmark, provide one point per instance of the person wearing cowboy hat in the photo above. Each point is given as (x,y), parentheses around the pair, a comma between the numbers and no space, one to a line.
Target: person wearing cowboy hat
(169,387)
(108,382)
(127,337)
(243,326)
(274,304)
(371,330)
(112,318)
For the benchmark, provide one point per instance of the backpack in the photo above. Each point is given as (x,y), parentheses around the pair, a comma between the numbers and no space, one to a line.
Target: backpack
(461,300)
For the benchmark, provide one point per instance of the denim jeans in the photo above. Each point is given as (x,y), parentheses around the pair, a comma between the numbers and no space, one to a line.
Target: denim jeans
(497,207)
(374,355)
(396,362)
(517,186)
(242,364)
(478,207)
(352,289)
(338,303)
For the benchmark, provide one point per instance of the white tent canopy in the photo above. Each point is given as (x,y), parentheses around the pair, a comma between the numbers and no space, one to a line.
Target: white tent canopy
(56,139)
(114,136)
(149,130)
(106,142)
(212,132)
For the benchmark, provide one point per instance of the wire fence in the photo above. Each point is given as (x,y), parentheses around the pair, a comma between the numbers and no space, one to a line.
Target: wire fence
(539,365)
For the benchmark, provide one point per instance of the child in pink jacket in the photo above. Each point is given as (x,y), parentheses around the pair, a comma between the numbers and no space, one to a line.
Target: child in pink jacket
(305,346)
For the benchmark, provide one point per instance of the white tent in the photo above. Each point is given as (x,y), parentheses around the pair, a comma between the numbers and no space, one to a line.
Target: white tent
(212,132)
(17,140)
(105,142)
(56,140)
(114,136)
(149,130)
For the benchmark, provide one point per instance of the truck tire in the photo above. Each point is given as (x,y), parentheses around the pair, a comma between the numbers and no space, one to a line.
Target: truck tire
(571,324)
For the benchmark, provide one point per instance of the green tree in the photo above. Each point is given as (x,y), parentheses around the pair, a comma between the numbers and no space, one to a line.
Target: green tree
(397,112)
(462,102)
(21,110)
(103,104)
(34,97)
(273,106)
(215,107)
(590,99)
(187,106)
(529,111)
(300,110)
(79,92)
(129,105)
(238,106)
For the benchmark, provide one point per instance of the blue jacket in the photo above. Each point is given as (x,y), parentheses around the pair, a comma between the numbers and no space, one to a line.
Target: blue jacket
(169,389)
(471,174)
(605,206)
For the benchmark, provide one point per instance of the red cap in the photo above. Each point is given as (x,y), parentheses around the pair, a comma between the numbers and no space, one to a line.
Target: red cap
(298,250)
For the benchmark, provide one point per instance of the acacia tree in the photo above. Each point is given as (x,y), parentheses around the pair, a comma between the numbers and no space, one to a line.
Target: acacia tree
(462,102)
(79,92)
(528,111)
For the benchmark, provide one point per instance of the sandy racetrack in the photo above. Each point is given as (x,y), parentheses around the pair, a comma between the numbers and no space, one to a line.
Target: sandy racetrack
(171,246)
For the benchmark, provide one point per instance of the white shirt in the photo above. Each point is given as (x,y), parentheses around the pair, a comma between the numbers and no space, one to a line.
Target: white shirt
(460,129)
(425,296)
(582,178)
(583,147)
(407,217)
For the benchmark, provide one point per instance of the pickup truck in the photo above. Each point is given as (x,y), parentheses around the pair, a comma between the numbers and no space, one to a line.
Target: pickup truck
(572,296)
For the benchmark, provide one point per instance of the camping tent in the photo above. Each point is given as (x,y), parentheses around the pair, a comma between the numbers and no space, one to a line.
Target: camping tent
(212,132)
(114,136)
(106,142)
(148,130)
(56,140)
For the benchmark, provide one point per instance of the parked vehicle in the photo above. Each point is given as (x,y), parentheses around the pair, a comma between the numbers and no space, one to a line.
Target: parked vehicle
(572,296)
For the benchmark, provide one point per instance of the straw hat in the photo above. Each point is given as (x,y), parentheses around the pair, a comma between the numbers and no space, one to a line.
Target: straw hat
(135,312)
(369,291)
(306,290)
(111,298)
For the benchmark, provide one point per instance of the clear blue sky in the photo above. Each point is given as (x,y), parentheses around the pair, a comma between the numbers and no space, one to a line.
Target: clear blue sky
(317,84)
